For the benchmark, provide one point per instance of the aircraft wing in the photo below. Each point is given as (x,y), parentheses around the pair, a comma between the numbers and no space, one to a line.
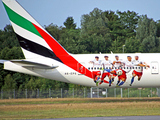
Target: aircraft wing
(29,64)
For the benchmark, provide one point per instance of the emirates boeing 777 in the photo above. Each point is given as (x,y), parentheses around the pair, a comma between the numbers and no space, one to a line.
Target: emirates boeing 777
(45,57)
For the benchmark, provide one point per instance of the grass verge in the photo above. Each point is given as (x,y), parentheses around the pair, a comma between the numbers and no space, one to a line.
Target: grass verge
(85,108)
(73,100)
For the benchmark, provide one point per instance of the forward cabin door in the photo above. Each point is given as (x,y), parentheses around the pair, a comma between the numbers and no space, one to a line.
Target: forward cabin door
(154,67)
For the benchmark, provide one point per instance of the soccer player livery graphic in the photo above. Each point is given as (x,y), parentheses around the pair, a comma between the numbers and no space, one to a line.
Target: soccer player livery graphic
(121,76)
(107,64)
(126,69)
(117,63)
(118,68)
(138,72)
(96,72)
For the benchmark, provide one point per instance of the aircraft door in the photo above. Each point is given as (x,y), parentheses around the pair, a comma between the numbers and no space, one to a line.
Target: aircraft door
(81,68)
(154,67)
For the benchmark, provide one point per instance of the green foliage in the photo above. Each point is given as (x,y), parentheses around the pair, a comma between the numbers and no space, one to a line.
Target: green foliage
(69,23)
(146,33)
(129,21)
(133,45)
(117,44)
(158,28)
(95,32)
(94,22)
(70,40)
(9,83)
(13,53)
(8,38)
(114,24)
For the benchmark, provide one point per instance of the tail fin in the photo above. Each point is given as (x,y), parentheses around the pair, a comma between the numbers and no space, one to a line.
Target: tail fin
(33,39)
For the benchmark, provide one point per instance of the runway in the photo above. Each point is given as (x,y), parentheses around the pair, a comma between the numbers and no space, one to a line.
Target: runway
(110,118)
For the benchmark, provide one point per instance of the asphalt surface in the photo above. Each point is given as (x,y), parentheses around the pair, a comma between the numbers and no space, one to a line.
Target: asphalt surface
(110,118)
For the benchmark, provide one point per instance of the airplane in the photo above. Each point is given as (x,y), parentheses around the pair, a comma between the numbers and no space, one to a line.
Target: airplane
(45,57)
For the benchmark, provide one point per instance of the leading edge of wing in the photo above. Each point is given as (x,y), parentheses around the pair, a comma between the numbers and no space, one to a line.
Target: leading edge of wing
(29,64)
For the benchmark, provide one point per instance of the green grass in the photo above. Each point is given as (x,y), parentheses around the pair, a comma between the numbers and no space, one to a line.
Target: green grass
(72,100)
(68,108)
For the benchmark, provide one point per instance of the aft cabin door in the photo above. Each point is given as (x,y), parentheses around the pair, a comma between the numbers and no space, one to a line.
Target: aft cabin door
(81,68)
(154,67)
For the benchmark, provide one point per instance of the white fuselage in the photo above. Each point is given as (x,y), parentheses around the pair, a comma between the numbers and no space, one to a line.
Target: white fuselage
(150,77)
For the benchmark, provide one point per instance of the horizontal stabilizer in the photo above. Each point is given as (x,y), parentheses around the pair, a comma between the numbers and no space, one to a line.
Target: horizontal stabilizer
(29,64)
(2,61)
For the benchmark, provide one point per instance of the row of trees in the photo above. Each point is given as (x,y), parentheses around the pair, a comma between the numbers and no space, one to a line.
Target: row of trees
(101,31)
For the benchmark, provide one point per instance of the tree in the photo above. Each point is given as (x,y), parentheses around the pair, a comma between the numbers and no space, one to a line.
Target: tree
(69,23)
(117,44)
(8,38)
(146,33)
(70,40)
(9,83)
(95,32)
(129,21)
(94,22)
(133,45)
(31,84)
(158,28)
(13,53)
(97,43)
(114,24)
